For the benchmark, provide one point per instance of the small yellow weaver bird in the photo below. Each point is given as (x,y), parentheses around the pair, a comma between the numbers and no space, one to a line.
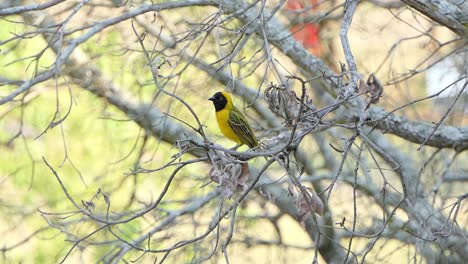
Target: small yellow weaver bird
(231,121)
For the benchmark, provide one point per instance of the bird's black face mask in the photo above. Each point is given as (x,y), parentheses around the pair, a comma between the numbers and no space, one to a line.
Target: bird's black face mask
(219,101)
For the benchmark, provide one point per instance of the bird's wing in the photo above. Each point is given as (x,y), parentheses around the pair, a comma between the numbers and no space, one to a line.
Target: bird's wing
(239,125)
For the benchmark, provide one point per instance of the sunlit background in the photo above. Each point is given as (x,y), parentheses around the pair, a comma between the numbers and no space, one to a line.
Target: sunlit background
(100,153)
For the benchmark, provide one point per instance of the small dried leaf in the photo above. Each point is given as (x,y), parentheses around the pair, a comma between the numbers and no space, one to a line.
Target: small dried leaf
(283,102)
(230,175)
(343,67)
(214,174)
(363,87)
(106,198)
(304,211)
(317,204)
(243,177)
(375,89)
(88,205)
(291,105)
(309,203)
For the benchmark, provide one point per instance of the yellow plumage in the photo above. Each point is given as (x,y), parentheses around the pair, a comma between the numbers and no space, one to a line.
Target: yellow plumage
(231,121)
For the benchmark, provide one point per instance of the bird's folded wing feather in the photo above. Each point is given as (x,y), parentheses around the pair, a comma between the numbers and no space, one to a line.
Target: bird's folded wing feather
(242,129)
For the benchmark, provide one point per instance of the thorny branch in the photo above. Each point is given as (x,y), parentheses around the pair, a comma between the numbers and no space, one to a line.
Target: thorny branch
(322,145)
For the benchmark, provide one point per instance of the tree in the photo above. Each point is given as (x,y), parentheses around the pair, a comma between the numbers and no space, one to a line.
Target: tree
(111,147)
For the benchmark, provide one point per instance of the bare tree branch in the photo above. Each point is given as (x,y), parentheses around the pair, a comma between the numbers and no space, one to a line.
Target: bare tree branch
(452,14)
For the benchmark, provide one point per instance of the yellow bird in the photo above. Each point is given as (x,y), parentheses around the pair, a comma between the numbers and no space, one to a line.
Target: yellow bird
(231,121)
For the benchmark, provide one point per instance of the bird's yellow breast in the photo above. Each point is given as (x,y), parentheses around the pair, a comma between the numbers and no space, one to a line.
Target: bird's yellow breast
(223,117)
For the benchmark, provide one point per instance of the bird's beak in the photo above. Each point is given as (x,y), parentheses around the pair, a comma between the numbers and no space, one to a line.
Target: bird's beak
(211,98)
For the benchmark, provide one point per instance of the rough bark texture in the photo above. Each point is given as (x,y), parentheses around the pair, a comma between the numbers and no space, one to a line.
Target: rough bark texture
(452,14)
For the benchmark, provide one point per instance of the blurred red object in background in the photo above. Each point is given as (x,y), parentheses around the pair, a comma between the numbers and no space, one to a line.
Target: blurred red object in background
(306,33)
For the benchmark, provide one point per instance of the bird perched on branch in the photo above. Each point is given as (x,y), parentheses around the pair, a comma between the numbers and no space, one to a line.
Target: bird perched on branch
(231,121)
